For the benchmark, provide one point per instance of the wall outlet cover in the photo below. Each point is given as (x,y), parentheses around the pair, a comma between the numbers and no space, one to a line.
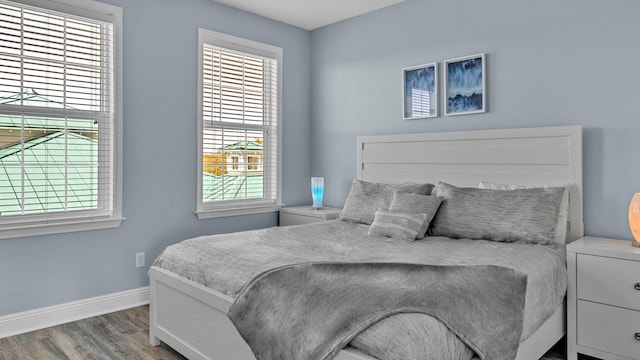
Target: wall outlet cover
(139,260)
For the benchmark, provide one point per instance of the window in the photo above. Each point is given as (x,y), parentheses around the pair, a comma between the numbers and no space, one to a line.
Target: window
(239,126)
(235,160)
(253,162)
(60,117)
(421,102)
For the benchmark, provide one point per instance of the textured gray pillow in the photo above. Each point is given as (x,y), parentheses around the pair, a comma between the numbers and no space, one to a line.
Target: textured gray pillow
(396,224)
(414,188)
(365,198)
(416,204)
(526,215)
(560,232)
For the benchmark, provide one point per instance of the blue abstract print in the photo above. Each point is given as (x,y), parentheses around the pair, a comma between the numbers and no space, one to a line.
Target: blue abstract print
(420,92)
(465,85)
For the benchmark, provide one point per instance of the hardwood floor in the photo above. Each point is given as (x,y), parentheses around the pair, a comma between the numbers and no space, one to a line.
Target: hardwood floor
(121,335)
(116,336)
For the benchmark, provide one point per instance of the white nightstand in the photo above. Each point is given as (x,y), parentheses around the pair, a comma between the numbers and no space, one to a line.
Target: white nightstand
(603,299)
(297,215)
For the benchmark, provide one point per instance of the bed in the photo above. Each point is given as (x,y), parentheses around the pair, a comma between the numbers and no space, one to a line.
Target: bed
(191,317)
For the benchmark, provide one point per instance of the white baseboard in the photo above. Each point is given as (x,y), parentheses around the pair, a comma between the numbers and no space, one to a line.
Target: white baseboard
(20,323)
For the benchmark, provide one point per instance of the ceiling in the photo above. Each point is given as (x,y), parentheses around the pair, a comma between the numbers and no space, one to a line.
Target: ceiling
(309,14)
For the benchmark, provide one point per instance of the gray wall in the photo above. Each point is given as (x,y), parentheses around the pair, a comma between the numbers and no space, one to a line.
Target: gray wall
(160,137)
(570,62)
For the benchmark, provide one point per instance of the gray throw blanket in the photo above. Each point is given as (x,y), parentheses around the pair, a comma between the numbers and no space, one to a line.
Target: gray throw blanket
(312,310)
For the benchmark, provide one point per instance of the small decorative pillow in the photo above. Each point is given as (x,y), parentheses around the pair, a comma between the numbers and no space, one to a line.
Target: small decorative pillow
(366,197)
(396,224)
(526,215)
(416,204)
(560,232)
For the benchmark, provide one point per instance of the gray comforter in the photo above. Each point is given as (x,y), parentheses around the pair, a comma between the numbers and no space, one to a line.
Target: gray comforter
(228,261)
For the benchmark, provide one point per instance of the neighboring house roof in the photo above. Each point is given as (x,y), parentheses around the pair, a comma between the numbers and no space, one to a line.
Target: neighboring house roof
(232,186)
(44,174)
(244,145)
(32,98)
(45,188)
(32,122)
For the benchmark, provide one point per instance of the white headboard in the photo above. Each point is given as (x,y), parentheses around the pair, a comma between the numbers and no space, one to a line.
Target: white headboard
(544,155)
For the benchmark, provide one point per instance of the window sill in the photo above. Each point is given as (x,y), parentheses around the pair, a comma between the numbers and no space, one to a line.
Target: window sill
(58,227)
(224,212)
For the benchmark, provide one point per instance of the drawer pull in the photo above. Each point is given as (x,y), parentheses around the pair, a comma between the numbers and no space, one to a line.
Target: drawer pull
(637,286)
(637,336)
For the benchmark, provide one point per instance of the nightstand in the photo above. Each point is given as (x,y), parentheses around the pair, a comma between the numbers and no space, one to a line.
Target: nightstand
(297,215)
(603,299)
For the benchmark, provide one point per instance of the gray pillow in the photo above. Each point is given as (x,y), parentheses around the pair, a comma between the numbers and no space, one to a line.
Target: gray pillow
(560,233)
(416,204)
(396,224)
(365,198)
(414,188)
(526,215)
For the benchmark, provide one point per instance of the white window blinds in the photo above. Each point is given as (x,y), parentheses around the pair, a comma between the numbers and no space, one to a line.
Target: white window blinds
(57,115)
(240,126)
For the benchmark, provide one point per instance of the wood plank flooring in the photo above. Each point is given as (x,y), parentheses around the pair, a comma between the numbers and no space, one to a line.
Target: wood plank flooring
(116,336)
(121,335)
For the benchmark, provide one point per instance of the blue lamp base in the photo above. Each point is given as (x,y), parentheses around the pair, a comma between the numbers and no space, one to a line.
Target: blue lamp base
(317,192)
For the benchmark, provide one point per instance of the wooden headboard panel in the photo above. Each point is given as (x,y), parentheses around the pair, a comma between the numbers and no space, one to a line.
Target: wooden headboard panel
(544,155)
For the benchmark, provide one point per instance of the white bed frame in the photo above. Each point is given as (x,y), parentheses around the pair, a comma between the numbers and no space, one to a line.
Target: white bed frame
(192,318)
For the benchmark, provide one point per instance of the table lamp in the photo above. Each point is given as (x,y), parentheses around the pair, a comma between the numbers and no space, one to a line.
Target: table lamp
(634,219)
(317,192)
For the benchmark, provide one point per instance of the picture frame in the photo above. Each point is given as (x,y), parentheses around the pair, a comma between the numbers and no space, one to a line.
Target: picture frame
(465,90)
(420,91)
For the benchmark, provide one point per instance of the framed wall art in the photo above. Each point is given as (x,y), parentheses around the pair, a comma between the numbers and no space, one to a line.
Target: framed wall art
(420,91)
(465,85)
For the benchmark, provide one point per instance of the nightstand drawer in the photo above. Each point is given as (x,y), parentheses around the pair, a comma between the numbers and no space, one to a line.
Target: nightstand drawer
(298,215)
(297,219)
(608,280)
(609,328)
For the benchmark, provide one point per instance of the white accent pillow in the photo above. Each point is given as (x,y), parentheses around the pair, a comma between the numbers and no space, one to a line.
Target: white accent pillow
(560,232)
(416,204)
(397,225)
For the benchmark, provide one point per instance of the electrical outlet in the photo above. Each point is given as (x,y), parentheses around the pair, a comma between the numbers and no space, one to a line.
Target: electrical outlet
(139,260)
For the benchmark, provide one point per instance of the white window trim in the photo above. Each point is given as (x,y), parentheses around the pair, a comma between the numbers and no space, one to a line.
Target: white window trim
(237,207)
(24,227)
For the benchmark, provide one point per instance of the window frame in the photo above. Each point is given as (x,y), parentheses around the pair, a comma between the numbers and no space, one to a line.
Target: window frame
(206,210)
(55,223)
